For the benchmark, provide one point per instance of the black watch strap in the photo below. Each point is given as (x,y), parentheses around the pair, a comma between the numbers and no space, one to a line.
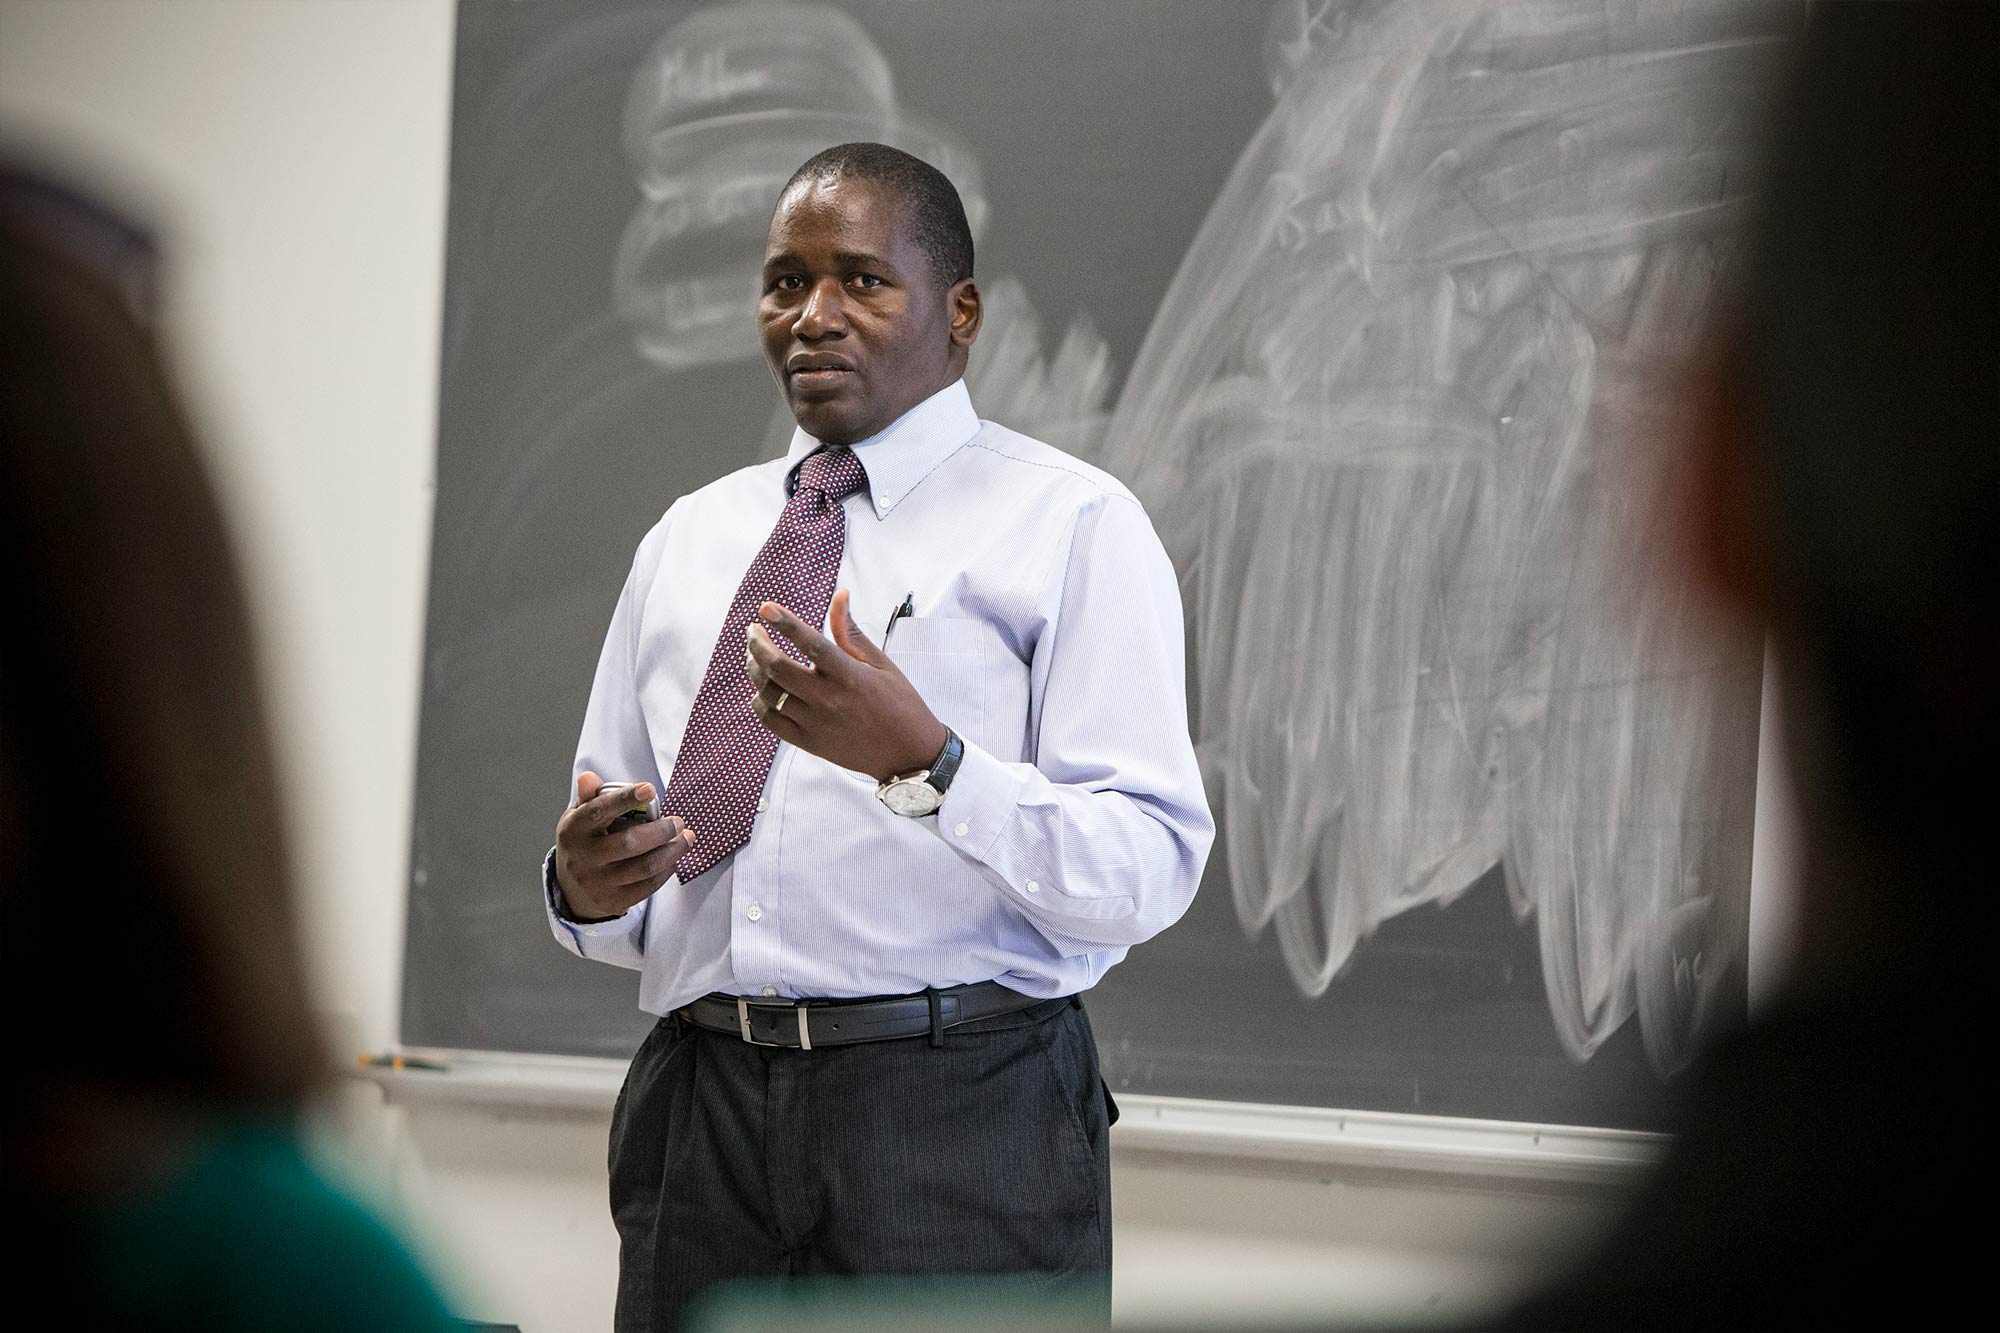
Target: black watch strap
(945,767)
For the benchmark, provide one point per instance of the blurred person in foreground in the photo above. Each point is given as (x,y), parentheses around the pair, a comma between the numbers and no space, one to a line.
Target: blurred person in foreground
(1838,478)
(159,1048)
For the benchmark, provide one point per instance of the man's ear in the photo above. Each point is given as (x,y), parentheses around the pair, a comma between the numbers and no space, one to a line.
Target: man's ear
(1720,488)
(966,312)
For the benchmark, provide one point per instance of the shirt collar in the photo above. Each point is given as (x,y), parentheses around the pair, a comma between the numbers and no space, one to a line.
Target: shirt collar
(898,458)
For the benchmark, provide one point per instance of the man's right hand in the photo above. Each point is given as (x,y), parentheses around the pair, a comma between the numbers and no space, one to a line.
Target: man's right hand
(601,873)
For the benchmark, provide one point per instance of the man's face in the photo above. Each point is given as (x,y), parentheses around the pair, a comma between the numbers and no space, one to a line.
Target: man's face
(856,327)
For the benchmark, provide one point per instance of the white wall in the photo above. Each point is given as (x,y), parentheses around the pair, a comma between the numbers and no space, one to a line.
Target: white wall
(294,155)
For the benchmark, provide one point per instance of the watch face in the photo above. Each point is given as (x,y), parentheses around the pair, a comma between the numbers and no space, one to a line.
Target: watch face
(912,797)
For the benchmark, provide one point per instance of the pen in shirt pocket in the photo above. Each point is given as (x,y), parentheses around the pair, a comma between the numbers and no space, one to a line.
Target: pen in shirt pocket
(908,608)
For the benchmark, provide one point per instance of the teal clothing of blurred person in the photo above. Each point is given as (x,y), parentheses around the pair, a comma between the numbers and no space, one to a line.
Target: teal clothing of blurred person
(160,1055)
(237,1229)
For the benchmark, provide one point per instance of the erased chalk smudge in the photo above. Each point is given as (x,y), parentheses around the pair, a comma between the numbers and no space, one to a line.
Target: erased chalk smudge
(1388,421)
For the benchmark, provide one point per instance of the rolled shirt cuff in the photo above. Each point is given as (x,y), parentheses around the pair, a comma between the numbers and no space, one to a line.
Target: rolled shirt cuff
(981,799)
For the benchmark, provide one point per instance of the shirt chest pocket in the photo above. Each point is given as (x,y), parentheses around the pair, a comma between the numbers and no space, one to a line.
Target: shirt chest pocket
(968,676)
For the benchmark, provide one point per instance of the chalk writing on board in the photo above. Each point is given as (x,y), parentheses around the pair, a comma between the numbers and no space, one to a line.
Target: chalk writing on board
(1387,421)
(721,111)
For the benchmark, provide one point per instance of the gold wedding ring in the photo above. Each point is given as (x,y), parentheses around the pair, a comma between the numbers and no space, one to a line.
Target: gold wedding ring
(784,697)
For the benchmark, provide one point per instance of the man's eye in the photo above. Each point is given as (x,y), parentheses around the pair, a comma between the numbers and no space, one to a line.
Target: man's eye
(866,280)
(790,282)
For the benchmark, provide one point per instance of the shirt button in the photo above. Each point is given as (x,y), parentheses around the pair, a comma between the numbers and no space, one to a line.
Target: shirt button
(755,913)
(763,804)
(770,990)
(1034,887)
(962,829)
(590,932)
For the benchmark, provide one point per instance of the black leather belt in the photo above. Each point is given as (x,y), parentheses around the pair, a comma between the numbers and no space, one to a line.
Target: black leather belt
(804,1024)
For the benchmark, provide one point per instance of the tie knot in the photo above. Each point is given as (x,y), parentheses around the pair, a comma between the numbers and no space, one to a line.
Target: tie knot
(834,472)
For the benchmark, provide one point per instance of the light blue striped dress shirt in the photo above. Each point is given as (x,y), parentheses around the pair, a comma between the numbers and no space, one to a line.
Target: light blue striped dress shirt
(1047,633)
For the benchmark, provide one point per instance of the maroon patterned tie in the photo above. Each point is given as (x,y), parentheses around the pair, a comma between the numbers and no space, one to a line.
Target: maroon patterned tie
(726,754)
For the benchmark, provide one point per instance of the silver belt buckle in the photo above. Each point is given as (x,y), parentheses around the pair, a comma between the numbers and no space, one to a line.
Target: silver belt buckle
(743,1023)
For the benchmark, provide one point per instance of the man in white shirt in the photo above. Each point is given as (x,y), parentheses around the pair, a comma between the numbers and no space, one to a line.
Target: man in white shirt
(889,860)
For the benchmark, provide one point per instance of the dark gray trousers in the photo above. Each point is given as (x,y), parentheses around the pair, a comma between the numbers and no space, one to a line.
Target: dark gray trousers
(988,1154)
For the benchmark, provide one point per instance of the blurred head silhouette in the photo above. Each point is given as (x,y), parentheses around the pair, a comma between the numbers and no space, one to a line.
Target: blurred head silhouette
(1839,474)
(153,1159)
(150,958)
(1843,470)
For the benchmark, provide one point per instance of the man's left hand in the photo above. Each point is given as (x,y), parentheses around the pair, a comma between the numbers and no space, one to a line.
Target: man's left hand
(852,707)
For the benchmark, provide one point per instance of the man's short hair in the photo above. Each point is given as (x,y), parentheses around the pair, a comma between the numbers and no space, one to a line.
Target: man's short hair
(936,215)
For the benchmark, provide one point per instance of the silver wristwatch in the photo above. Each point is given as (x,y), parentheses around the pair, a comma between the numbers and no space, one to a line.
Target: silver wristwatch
(920,793)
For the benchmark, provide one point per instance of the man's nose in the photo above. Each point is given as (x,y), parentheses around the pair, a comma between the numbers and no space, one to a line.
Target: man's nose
(821,316)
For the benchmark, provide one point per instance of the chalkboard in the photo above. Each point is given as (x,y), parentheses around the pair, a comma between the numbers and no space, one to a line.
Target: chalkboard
(1372,304)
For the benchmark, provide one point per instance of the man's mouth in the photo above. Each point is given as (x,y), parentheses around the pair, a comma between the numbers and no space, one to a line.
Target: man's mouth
(821,371)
